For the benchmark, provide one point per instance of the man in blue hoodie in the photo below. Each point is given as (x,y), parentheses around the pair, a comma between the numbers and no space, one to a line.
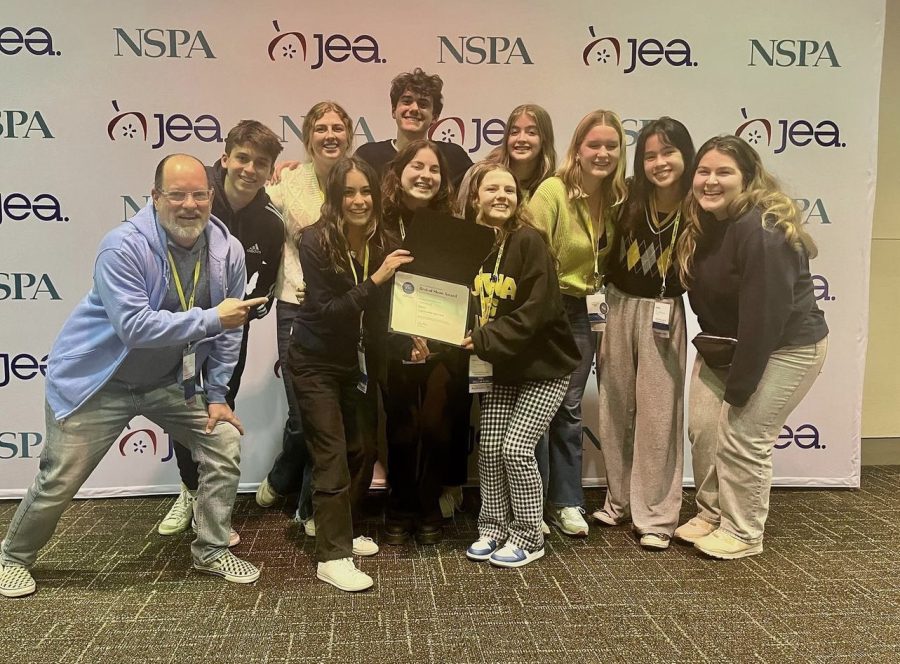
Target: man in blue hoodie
(166,305)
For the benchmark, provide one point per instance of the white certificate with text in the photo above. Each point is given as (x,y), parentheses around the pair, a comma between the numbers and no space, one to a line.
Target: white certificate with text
(429,308)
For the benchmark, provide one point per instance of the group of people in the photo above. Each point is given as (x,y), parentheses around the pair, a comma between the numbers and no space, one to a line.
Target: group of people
(585,264)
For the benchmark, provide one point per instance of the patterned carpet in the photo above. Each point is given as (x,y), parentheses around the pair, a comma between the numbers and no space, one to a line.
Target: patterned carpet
(826,589)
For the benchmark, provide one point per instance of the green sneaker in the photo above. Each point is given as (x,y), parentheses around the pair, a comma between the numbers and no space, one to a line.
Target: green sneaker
(179,516)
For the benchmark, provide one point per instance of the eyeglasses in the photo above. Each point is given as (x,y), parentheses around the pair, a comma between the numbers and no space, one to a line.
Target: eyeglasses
(179,197)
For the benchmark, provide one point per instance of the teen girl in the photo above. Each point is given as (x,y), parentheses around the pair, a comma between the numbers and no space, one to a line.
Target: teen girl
(643,351)
(524,334)
(576,209)
(343,260)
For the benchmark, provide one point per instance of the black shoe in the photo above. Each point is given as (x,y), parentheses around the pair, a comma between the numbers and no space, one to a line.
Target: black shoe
(395,533)
(429,534)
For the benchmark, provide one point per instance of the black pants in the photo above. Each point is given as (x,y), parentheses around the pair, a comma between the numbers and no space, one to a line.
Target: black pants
(187,467)
(425,405)
(339,425)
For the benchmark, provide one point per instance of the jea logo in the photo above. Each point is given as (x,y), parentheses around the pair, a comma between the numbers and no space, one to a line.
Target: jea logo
(37,41)
(144,442)
(453,130)
(21,124)
(176,127)
(792,53)
(484,50)
(334,48)
(291,127)
(20,207)
(19,444)
(822,289)
(26,286)
(639,52)
(159,42)
(792,133)
(803,436)
(22,366)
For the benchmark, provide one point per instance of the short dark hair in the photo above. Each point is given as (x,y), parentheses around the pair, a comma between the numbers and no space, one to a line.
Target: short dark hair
(160,167)
(427,85)
(256,135)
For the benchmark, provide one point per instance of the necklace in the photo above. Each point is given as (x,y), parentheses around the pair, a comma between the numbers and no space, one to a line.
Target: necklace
(656,226)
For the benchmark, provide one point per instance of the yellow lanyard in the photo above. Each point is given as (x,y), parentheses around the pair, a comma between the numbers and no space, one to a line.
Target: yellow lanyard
(184,305)
(595,241)
(668,262)
(486,292)
(365,264)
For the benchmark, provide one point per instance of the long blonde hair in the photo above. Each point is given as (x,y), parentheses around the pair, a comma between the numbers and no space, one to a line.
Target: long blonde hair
(761,190)
(612,189)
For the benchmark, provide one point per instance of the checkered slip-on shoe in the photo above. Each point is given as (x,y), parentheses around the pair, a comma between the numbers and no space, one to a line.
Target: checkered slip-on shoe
(231,568)
(16,581)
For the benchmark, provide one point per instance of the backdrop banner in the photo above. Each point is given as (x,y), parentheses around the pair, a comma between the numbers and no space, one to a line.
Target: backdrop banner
(96,93)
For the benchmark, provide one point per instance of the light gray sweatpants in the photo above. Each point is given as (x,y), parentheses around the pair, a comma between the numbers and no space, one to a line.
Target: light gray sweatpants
(640,382)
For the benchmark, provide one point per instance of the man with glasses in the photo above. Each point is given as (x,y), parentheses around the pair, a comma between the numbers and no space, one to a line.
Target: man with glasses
(166,305)
(242,204)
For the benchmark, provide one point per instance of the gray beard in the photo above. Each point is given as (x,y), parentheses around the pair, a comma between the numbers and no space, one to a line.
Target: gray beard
(185,233)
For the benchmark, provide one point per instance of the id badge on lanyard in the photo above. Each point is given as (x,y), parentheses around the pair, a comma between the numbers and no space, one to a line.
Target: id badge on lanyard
(597,310)
(189,374)
(481,375)
(662,318)
(363,384)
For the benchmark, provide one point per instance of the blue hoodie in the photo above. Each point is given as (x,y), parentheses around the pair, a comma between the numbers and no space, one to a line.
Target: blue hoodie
(121,312)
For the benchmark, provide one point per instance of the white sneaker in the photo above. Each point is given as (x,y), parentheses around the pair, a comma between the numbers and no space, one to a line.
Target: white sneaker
(364,546)
(265,494)
(309,526)
(342,573)
(570,521)
(545,529)
(179,516)
(450,501)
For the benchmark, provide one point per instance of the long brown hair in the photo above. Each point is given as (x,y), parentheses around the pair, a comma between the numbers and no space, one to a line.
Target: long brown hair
(521,217)
(392,192)
(761,190)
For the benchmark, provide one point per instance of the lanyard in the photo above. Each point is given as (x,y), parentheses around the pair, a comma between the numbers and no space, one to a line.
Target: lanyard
(365,264)
(595,242)
(486,292)
(671,250)
(178,287)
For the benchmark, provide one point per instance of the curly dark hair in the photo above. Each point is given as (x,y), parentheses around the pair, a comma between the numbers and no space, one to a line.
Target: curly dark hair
(427,85)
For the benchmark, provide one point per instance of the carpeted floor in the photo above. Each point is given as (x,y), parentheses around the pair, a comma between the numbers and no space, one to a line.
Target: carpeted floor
(826,589)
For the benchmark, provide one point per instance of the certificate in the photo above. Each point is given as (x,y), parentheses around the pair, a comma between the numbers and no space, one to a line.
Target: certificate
(429,308)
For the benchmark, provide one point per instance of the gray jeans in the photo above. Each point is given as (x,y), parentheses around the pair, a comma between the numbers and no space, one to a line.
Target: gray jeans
(732,447)
(74,446)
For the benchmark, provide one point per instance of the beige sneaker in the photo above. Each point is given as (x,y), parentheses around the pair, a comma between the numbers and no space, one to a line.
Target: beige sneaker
(720,544)
(655,541)
(692,530)
(265,494)
(569,520)
(364,546)
(16,581)
(179,516)
(451,500)
(342,573)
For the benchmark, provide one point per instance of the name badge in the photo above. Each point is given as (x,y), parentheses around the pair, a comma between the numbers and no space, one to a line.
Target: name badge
(481,375)
(662,314)
(597,310)
(189,374)
(363,384)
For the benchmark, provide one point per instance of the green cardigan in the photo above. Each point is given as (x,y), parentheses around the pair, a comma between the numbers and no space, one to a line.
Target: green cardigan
(568,224)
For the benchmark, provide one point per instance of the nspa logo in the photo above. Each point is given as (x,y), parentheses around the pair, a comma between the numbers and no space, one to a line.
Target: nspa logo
(802,436)
(36,41)
(22,366)
(789,133)
(482,131)
(334,49)
(20,444)
(792,53)
(291,128)
(22,207)
(27,286)
(132,205)
(648,52)
(162,42)
(22,124)
(176,127)
(813,211)
(822,289)
(480,50)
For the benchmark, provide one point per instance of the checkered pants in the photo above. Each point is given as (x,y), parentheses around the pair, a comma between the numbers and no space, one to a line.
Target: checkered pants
(513,418)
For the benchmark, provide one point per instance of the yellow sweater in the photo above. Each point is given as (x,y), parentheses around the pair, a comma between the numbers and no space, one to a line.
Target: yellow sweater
(569,225)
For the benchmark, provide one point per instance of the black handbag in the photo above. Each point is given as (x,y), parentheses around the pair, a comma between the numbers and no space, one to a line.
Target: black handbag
(717,352)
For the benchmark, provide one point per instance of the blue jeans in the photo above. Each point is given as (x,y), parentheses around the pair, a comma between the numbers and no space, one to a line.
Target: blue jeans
(559,452)
(74,446)
(292,470)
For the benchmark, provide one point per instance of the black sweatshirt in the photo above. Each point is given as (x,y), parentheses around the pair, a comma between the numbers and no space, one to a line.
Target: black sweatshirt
(750,284)
(529,337)
(260,229)
(327,323)
(380,153)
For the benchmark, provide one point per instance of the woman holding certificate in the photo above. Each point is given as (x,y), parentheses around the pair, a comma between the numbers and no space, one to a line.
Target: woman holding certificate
(745,260)
(343,260)
(644,349)
(426,391)
(576,209)
(524,347)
